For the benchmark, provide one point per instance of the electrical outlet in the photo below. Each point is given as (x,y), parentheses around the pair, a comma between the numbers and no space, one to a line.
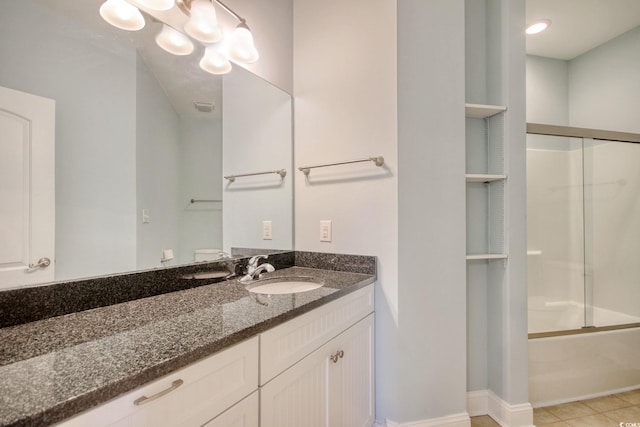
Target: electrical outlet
(325,230)
(267,230)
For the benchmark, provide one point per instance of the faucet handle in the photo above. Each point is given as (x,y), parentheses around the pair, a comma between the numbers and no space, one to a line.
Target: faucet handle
(253,261)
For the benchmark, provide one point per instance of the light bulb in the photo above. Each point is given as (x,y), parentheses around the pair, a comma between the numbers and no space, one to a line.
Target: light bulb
(173,41)
(242,48)
(538,26)
(214,62)
(203,24)
(121,14)
(157,4)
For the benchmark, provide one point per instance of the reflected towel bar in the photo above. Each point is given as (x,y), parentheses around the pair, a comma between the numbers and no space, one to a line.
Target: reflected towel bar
(205,200)
(281,172)
(379,161)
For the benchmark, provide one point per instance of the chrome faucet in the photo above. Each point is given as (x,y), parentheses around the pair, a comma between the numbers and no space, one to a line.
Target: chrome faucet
(254,270)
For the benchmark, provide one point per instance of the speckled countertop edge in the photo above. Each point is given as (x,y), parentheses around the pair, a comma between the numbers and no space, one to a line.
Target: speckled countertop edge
(76,376)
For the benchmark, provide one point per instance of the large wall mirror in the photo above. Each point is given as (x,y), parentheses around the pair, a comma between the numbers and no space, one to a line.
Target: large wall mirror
(132,148)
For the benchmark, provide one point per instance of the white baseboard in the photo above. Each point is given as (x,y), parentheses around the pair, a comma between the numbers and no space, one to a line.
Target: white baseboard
(456,420)
(478,403)
(485,402)
(482,402)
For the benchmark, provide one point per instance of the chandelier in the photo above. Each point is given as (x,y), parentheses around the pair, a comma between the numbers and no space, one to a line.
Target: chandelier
(202,26)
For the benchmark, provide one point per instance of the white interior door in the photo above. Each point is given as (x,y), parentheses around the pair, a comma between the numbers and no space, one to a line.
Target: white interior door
(27,188)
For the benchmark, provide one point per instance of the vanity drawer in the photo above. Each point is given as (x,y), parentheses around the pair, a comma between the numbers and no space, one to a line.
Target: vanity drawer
(286,344)
(190,396)
(245,413)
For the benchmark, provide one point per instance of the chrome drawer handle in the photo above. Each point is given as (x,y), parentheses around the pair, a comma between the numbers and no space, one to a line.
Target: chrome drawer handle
(144,399)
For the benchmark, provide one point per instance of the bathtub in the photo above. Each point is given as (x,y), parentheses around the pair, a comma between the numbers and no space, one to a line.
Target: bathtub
(546,315)
(579,366)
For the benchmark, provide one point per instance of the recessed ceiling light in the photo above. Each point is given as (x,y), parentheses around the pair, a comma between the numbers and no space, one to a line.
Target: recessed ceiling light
(538,26)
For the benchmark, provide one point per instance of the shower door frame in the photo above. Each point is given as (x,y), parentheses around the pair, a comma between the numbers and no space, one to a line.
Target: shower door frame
(598,135)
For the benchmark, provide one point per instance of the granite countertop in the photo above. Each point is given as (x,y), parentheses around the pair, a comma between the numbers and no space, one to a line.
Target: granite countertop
(54,368)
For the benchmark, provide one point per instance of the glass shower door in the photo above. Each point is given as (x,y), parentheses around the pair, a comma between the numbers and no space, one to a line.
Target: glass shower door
(555,233)
(612,232)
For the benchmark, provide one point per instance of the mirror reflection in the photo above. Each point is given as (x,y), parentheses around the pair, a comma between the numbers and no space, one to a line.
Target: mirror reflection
(138,135)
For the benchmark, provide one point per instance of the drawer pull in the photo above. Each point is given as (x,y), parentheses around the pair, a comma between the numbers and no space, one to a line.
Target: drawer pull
(144,399)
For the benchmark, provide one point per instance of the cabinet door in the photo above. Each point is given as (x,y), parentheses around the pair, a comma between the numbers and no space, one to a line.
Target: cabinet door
(333,386)
(242,414)
(298,396)
(289,342)
(351,380)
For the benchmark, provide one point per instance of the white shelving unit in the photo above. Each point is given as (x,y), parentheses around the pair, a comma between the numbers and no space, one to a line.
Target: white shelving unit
(481,111)
(485,179)
(481,257)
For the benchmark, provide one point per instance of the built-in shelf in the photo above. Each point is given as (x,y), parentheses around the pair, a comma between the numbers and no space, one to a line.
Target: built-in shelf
(478,177)
(486,256)
(479,111)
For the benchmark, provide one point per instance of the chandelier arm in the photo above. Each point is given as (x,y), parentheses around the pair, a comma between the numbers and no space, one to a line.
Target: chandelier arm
(185,7)
(231,12)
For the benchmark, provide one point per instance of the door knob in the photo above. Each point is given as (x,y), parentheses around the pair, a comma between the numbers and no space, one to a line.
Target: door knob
(42,263)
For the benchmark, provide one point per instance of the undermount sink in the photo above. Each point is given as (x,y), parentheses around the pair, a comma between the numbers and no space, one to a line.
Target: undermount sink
(284,285)
(209,275)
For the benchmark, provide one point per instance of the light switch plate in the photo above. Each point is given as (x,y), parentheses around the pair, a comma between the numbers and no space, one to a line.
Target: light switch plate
(146,216)
(325,230)
(267,230)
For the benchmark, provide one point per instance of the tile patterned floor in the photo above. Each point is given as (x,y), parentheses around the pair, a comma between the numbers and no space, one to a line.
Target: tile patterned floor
(607,411)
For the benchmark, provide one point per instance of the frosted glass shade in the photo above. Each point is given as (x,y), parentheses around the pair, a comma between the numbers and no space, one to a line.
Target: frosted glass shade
(214,62)
(121,14)
(173,41)
(242,49)
(157,4)
(203,24)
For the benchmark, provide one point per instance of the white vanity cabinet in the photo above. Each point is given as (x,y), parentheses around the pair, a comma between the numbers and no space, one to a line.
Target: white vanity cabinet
(317,369)
(313,370)
(243,414)
(333,386)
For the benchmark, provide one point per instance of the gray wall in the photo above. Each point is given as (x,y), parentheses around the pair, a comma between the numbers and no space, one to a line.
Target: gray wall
(431,201)
(547,91)
(604,87)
